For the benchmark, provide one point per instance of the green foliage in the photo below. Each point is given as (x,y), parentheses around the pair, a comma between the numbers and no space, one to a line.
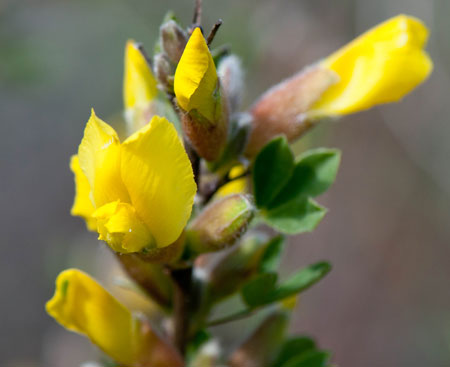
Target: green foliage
(283,187)
(272,255)
(300,352)
(272,169)
(263,289)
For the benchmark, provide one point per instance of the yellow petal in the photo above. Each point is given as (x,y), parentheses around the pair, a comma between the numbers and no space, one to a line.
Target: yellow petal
(196,80)
(80,304)
(158,176)
(236,186)
(82,205)
(380,66)
(139,85)
(99,157)
(121,228)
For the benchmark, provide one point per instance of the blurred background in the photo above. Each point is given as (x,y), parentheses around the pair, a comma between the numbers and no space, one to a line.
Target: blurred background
(387,233)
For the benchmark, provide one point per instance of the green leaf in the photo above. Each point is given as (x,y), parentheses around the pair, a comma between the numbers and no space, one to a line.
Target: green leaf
(263,290)
(272,170)
(302,280)
(312,358)
(293,347)
(296,216)
(314,172)
(272,255)
(259,290)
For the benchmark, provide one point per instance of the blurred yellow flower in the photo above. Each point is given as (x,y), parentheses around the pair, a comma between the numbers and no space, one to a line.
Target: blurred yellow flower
(139,84)
(196,83)
(138,194)
(80,304)
(380,66)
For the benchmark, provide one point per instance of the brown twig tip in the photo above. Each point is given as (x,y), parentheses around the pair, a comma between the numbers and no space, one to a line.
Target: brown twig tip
(213,32)
(197,19)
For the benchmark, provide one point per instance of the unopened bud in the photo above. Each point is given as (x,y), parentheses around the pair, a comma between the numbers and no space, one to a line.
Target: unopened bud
(261,347)
(173,40)
(220,224)
(234,269)
(203,106)
(164,71)
(282,110)
(208,139)
(231,78)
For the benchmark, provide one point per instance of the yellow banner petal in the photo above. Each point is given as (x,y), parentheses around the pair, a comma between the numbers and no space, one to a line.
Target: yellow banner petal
(159,178)
(380,66)
(121,228)
(99,158)
(196,82)
(82,205)
(80,304)
(139,85)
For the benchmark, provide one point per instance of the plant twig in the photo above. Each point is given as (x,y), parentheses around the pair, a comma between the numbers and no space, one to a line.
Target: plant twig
(182,279)
(197,19)
(213,31)
(233,317)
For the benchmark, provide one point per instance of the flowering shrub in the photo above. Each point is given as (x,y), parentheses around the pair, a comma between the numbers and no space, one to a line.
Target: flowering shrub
(196,201)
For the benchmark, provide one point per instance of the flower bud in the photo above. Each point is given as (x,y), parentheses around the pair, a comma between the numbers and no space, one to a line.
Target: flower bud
(173,40)
(261,347)
(282,109)
(203,108)
(231,78)
(164,71)
(220,224)
(231,271)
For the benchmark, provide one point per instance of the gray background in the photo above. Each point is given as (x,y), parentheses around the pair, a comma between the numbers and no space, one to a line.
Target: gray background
(387,301)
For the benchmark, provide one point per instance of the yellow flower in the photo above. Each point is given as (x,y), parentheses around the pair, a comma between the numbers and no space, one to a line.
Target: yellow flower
(380,66)
(139,84)
(138,194)
(196,82)
(140,92)
(82,305)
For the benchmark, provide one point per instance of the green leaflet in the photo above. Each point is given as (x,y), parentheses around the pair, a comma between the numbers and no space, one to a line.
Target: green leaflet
(264,290)
(284,196)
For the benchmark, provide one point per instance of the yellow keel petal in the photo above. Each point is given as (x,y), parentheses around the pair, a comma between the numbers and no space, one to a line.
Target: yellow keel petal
(121,228)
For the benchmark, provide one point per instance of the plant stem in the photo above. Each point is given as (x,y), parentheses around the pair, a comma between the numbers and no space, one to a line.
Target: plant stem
(233,317)
(182,279)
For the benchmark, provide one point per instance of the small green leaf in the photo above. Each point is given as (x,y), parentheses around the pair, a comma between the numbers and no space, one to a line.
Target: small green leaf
(272,170)
(302,280)
(312,358)
(314,172)
(295,216)
(293,347)
(259,290)
(272,255)
(263,290)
